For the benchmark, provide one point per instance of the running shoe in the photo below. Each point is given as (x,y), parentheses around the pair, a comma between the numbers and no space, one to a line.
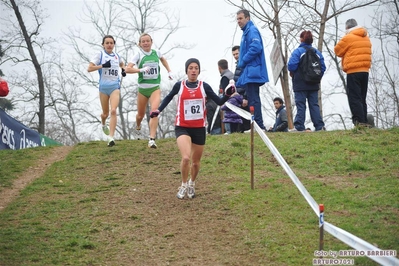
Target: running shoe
(191,189)
(106,129)
(137,132)
(152,144)
(111,142)
(182,192)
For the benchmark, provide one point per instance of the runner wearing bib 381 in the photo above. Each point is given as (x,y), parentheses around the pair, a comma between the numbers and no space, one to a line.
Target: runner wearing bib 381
(147,66)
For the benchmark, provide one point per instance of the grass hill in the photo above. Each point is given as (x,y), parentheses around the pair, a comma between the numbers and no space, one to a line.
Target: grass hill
(118,206)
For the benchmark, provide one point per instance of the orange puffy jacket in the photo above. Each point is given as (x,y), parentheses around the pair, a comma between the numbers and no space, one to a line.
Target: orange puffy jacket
(355,50)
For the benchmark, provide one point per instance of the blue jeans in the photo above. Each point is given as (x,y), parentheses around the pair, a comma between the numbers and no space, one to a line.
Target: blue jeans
(216,131)
(357,93)
(252,90)
(314,110)
(227,128)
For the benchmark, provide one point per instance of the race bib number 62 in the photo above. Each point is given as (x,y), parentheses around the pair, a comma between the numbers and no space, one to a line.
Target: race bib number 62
(193,109)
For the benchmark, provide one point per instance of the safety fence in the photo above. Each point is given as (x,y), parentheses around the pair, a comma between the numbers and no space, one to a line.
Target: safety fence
(365,249)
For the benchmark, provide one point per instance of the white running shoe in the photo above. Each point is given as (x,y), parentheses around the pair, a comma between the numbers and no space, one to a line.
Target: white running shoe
(191,189)
(106,129)
(111,142)
(182,192)
(152,144)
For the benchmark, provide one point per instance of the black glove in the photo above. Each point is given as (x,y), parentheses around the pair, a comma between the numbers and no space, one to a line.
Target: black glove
(123,72)
(154,114)
(107,64)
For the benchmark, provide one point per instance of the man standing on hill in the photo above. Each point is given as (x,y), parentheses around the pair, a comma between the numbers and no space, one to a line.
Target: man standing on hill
(252,62)
(355,50)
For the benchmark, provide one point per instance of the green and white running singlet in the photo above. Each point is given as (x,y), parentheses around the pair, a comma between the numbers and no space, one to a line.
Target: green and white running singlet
(151,78)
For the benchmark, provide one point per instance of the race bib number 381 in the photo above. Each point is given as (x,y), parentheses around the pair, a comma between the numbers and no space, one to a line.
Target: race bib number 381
(152,72)
(193,109)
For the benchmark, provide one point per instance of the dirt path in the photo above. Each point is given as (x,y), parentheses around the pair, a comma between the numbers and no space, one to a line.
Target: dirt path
(7,195)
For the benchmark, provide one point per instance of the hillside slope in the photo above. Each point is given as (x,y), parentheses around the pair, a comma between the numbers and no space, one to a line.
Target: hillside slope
(117,206)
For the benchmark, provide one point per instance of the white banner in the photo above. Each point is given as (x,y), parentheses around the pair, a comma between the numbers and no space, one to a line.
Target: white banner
(359,244)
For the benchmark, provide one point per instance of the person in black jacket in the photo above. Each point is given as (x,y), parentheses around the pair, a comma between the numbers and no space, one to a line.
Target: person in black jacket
(281,123)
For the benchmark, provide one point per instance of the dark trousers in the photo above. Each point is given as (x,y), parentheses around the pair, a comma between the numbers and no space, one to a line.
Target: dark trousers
(252,90)
(246,124)
(314,110)
(357,92)
(234,127)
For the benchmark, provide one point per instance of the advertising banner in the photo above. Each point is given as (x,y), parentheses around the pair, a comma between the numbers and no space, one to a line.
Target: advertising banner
(14,135)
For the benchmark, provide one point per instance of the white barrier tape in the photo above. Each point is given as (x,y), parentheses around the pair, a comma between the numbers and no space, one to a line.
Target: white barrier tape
(279,158)
(346,237)
(241,112)
(360,245)
(215,115)
(287,169)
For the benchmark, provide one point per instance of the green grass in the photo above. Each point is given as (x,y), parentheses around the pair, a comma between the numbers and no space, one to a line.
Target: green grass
(13,163)
(67,216)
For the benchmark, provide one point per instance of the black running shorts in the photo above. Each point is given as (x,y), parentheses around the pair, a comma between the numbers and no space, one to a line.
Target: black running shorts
(197,134)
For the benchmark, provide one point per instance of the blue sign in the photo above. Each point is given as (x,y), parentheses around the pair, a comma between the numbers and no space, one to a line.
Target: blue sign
(14,135)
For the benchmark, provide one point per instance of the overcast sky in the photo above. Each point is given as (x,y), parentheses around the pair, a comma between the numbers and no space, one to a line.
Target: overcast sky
(210,24)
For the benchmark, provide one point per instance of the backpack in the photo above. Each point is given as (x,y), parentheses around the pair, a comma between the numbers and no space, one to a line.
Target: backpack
(3,88)
(310,66)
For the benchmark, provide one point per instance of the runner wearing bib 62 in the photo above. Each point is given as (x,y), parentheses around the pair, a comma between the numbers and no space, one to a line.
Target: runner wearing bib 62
(190,122)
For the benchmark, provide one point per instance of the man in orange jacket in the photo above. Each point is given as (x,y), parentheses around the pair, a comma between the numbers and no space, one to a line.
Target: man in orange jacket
(355,50)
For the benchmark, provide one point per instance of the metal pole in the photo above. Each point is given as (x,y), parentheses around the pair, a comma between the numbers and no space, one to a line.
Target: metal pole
(251,109)
(321,226)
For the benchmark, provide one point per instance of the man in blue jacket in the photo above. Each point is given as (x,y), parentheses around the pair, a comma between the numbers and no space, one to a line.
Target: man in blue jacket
(252,62)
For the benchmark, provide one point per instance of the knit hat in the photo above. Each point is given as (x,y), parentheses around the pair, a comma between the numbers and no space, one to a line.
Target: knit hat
(193,60)
(350,23)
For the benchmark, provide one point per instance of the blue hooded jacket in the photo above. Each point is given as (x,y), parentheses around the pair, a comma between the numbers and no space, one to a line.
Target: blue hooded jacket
(252,57)
(293,66)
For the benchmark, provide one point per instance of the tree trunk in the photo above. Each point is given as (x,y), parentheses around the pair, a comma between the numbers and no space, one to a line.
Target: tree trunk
(36,64)
(320,44)
(284,77)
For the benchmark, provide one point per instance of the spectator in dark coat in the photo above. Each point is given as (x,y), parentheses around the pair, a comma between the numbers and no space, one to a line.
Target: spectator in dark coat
(281,123)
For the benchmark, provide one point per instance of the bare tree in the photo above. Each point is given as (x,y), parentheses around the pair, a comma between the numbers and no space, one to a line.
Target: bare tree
(291,17)
(125,20)
(19,39)
(384,75)
(4,103)
(68,112)
(269,14)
